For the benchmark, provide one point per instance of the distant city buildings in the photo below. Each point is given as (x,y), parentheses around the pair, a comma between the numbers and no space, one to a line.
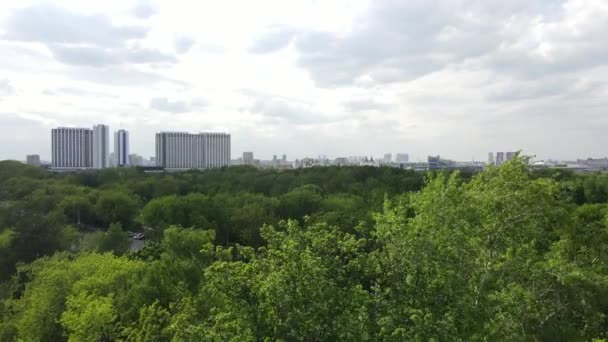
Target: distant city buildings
(323,161)
(32,159)
(180,150)
(121,148)
(402,158)
(388,158)
(248,158)
(436,163)
(501,158)
(135,160)
(71,148)
(85,148)
(595,163)
(101,146)
(341,161)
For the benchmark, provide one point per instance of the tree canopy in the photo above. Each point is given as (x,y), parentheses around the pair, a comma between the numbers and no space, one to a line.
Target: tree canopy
(354,254)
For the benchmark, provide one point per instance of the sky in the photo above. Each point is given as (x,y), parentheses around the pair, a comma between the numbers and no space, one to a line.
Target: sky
(312,77)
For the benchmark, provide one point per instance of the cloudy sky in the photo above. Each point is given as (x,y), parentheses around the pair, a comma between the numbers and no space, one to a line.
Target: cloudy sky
(308,77)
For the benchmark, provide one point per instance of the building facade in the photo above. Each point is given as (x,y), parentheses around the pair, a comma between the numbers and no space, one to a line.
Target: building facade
(101,146)
(402,158)
(121,148)
(136,160)
(388,158)
(500,158)
(248,158)
(71,148)
(32,159)
(181,150)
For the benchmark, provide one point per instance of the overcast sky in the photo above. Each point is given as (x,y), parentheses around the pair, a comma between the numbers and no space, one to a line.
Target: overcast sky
(456,78)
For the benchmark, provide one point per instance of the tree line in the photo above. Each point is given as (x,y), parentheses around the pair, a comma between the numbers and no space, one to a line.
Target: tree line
(344,253)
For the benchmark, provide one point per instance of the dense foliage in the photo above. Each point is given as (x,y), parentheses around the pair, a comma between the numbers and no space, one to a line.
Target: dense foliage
(317,254)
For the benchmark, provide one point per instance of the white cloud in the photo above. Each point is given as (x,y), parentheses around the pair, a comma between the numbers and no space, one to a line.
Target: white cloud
(144,9)
(6,89)
(342,77)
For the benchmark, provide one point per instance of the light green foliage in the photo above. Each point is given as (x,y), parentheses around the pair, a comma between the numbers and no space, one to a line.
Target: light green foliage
(88,278)
(298,287)
(472,261)
(152,325)
(89,318)
(6,236)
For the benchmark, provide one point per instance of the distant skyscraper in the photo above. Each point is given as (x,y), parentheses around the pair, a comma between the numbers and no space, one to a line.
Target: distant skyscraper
(284,158)
(402,158)
(121,148)
(135,160)
(247,158)
(33,159)
(509,155)
(500,158)
(388,157)
(101,146)
(491,158)
(71,148)
(180,150)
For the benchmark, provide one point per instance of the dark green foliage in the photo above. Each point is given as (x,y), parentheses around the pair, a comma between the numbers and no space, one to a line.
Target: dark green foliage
(116,206)
(114,240)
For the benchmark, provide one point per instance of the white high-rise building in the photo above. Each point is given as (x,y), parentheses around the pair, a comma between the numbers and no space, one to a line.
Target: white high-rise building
(500,158)
(180,150)
(32,159)
(248,158)
(388,158)
(402,158)
(101,146)
(136,160)
(71,148)
(509,155)
(121,148)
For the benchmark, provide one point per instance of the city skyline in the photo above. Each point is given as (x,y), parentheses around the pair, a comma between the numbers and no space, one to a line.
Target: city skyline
(84,148)
(304,78)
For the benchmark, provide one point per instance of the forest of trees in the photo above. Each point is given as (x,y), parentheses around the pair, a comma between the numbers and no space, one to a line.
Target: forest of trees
(320,254)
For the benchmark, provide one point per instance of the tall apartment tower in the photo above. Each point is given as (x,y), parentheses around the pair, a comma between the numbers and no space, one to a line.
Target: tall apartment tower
(402,157)
(500,158)
(388,158)
(71,148)
(248,158)
(509,155)
(121,148)
(491,158)
(101,146)
(180,150)
(32,159)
